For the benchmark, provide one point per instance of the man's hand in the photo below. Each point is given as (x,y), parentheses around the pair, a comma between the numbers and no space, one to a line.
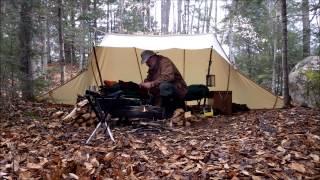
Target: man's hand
(146,85)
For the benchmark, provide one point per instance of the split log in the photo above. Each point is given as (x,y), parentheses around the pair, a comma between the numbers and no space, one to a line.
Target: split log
(57,114)
(86,116)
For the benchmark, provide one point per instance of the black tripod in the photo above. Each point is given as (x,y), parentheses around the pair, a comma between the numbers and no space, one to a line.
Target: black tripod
(103,116)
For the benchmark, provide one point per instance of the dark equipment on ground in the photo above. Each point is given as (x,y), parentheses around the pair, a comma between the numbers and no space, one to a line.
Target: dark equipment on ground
(123,100)
(126,101)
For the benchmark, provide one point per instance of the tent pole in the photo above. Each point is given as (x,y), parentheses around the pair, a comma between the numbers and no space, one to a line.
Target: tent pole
(229,71)
(95,57)
(135,51)
(184,63)
(94,75)
(209,67)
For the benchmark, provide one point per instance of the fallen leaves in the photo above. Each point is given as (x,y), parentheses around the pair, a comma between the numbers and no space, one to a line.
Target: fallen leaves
(298,167)
(162,147)
(37,165)
(271,144)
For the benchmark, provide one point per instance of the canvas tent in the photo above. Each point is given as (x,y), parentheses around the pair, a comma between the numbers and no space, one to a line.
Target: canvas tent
(118,58)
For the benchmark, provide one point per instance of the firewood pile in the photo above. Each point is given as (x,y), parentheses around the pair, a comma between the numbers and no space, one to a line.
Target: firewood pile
(181,118)
(83,116)
(80,116)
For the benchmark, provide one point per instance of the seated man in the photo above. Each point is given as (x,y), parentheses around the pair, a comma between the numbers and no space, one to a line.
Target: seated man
(164,82)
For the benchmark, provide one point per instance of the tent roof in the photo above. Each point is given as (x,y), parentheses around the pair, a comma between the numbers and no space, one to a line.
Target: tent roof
(163,42)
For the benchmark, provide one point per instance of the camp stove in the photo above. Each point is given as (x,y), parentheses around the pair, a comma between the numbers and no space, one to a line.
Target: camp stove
(119,105)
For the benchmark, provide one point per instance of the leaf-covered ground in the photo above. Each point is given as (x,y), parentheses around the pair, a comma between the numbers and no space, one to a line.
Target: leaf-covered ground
(266,144)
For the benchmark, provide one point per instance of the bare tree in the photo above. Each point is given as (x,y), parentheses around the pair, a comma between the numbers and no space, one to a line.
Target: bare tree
(233,12)
(204,21)
(48,34)
(179,15)
(199,17)
(84,27)
(285,88)
(215,15)
(95,25)
(1,52)
(43,37)
(61,44)
(148,16)
(121,11)
(25,37)
(275,49)
(187,16)
(306,28)
(73,34)
(165,14)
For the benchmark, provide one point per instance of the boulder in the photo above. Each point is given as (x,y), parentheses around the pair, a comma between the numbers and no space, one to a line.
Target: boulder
(299,87)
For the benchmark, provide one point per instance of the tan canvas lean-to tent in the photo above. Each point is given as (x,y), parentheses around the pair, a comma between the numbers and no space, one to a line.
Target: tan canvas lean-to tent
(118,58)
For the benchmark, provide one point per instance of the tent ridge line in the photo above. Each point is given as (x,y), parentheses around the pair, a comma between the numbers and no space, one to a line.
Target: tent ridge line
(151,35)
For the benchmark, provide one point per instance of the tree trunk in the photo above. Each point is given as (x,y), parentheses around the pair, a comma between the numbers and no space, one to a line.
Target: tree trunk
(190,28)
(44,58)
(199,17)
(168,7)
(148,16)
(111,22)
(249,66)
(215,14)
(230,33)
(205,15)
(121,9)
(66,36)
(61,44)
(165,13)
(275,84)
(188,16)
(25,37)
(279,79)
(67,51)
(108,16)
(95,2)
(163,3)
(1,82)
(174,29)
(73,35)
(306,28)
(48,34)
(179,15)
(285,89)
(84,27)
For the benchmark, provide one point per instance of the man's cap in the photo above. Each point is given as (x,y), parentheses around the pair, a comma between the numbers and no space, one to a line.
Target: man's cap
(146,54)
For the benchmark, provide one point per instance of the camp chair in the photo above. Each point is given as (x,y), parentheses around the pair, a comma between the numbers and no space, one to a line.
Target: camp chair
(197,92)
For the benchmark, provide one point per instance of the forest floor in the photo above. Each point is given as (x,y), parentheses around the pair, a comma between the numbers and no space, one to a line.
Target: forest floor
(264,144)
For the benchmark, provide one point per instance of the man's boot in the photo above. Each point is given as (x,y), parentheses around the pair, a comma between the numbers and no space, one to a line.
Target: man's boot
(168,104)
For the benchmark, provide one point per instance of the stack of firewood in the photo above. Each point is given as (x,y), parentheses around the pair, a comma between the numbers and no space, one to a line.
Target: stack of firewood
(81,115)
(181,118)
